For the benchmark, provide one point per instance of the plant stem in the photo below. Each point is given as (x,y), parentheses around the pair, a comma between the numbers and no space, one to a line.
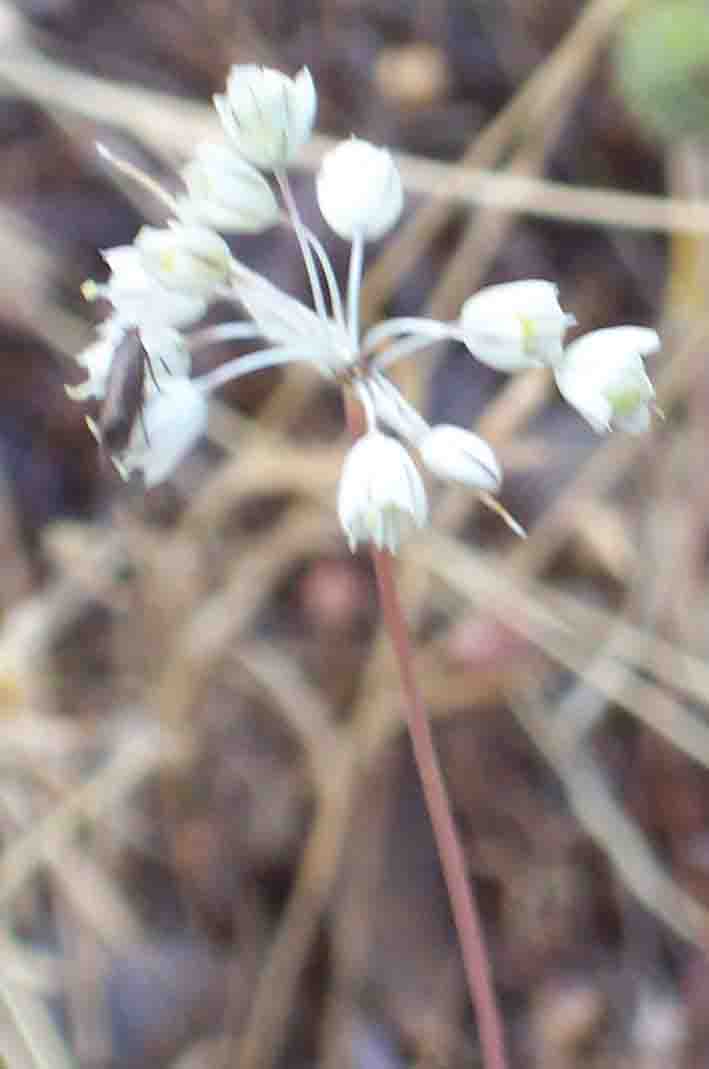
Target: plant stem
(460,892)
(476,962)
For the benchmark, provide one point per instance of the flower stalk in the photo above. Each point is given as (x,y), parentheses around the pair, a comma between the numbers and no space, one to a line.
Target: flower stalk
(476,961)
(466,917)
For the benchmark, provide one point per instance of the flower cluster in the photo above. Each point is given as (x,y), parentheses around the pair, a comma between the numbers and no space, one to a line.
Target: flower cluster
(163,283)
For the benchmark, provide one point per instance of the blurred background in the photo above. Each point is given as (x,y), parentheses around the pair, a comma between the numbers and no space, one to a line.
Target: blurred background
(214,849)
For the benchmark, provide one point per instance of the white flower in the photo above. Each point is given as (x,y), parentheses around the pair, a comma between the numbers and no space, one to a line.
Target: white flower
(138,298)
(267,115)
(381,495)
(165,349)
(453,453)
(359,190)
(516,325)
(187,258)
(603,376)
(226,192)
(97,359)
(167,354)
(172,420)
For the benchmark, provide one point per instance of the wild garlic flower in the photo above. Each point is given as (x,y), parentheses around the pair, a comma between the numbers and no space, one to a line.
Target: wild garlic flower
(172,421)
(164,282)
(515,325)
(137,298)
(225,192)
(603,376)
(359,190)
(381,496)
(165,350)
(96,359)
(187,258)
(267,116)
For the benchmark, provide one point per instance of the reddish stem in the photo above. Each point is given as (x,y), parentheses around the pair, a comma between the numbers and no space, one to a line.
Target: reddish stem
(460,892)
(476,961)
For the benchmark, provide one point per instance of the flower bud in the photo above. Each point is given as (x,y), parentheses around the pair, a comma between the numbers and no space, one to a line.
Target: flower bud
(359,190)
(267,115)
(189,259)
(515,325)
(453,453)
(381,495)
(603,376)
(172,420)
(226,192)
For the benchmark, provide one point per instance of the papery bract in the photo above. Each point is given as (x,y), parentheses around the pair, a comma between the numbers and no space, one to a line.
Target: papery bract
(284,320)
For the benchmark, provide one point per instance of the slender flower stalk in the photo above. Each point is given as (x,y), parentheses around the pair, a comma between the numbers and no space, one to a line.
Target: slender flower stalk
(354,282)
(306,251)
(327,270)
(247,365)
(466,916)
(417,326)
(405,347)
(223,332)
(463,906)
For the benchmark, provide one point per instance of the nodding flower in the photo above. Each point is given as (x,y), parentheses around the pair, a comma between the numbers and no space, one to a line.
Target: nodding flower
(381,497)
(515,325)
(603,376)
